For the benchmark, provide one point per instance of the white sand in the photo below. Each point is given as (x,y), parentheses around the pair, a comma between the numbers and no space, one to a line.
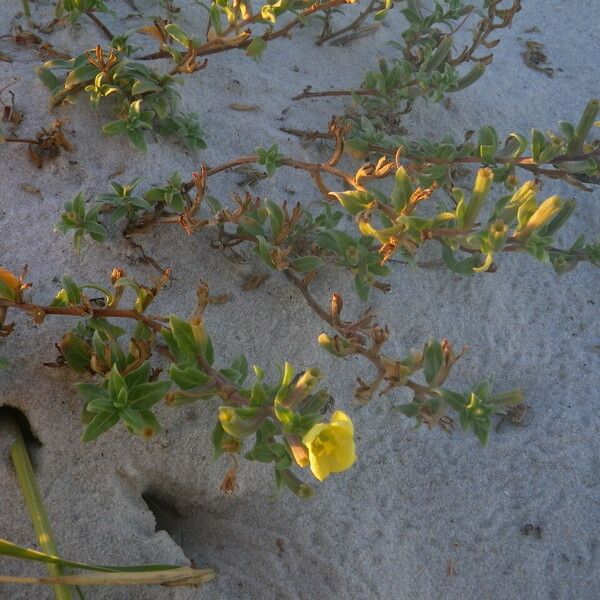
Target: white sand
(422,515)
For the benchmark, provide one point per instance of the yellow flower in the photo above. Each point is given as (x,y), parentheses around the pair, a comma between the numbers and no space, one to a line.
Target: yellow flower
(331,446)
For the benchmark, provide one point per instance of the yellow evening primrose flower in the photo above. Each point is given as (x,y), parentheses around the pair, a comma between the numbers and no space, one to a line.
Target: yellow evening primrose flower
(331,446)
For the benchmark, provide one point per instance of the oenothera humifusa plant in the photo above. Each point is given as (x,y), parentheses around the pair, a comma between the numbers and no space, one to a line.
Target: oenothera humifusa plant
(434,62)
(297,243)
(282,420)
(279,422)
(387,220)
(145,99)
(142,98)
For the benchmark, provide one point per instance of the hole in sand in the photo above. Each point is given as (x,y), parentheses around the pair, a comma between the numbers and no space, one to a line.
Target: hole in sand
(9,413)
(179,521)
(167,515)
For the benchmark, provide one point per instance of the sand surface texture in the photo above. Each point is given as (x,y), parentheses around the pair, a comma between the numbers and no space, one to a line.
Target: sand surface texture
(422,515)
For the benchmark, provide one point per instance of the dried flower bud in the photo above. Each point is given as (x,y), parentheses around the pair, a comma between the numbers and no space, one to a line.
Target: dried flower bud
(10,286)
(116,275)
(337,305)
(298,450)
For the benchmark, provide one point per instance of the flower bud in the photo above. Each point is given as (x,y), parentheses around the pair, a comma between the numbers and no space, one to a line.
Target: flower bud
(335,345)
(543,214)
(497,234)
(508,398)
(298,487)
(298,450)
(481,188)
(304,386)
(241,422)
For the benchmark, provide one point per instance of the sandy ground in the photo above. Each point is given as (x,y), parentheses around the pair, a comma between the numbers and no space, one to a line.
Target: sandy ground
(422,515)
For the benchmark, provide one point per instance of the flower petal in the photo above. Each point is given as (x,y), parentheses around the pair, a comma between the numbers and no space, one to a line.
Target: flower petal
(341,418)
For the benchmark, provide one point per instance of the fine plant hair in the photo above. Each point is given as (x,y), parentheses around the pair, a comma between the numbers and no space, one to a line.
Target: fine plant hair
(401,194)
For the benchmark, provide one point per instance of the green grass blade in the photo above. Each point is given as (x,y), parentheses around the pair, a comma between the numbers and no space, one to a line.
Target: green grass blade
(116,575)
(33,499)
(181,576)
(9,549)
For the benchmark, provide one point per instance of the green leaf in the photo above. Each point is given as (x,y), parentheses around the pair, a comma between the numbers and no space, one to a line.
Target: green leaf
(101,423)
(138,376)
(463,267)
(276,217)
(115,127)
(81,75)
(184,336)
(538,144)
(218,435)
(362,288)
(261,454)
(240,364)
(116,383)
(137,139)
(76,352)
(146,395)
(131,417)
(72,290)
(256,47)
(100,405)
(408,410)
(453,399)
(482,431)
(48,78)
(177,34)
(264,250)
(354,201)
(91,391)
(402,189)
(215,18)
(305,264)
(143,86)
(433,360)
(258,396)
(187,378)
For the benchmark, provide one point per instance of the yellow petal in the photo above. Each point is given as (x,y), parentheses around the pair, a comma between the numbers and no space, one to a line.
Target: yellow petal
(341,418)
(314,431)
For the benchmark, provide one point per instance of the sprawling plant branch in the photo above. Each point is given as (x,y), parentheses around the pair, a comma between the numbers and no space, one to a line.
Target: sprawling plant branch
(39,312)
(235,36)
(355,26)
(100,25)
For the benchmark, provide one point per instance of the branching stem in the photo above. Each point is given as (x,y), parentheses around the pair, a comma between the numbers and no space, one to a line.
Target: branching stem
(39,311)
(100,25)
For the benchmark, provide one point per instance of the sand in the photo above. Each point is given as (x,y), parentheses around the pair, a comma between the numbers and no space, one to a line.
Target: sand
(422,515)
